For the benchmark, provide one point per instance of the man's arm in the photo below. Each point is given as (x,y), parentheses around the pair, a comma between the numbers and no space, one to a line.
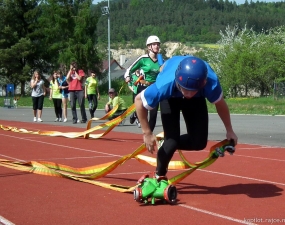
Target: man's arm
(224,113)
(131,88)
(142,114)
(85,90)
(51,91)
(44,88)
(78,76)
(98,94)
(68,76)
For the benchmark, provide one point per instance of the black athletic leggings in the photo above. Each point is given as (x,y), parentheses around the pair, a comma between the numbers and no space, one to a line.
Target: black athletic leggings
(38,102)
(134,115)
(195,114)
(152,113)
(57,102)
(93,103)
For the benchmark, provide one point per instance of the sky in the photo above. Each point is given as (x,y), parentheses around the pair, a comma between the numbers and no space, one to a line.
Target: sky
(237,1)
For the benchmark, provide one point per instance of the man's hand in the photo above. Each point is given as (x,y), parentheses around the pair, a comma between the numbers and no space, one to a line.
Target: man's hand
(150,142)
(127,79)
(232,136)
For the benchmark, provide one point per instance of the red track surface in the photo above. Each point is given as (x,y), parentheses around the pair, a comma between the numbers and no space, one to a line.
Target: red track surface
(247,185)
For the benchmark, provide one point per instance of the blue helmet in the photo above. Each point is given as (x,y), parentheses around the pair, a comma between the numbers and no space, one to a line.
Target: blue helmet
(191,73)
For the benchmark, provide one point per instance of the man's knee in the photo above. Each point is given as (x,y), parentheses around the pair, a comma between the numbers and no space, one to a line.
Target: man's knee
(199,146)
(188,142)
(170,145)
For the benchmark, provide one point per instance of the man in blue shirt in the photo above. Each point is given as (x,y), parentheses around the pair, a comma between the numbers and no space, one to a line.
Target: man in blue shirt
(184,84)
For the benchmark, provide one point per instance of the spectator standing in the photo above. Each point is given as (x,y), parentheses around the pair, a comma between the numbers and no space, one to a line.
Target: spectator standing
(55,96)
(92,93)
(63,87)
(75,79)
(38,95)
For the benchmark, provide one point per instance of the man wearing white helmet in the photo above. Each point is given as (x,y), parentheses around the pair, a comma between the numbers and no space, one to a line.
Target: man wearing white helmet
(149,65)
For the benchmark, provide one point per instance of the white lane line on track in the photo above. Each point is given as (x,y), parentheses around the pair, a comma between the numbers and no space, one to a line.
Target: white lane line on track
(254,157)
(12,158)
(215,214)
(5,221)
(242,177)
(207,171)
(65,146)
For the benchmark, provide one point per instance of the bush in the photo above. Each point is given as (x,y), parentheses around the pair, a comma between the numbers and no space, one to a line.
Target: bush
(117,83)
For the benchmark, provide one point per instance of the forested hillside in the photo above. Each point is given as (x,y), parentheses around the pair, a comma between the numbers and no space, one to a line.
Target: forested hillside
(183,20)
(48,35)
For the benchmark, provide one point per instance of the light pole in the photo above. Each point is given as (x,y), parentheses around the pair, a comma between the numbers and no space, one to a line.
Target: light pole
(106,11)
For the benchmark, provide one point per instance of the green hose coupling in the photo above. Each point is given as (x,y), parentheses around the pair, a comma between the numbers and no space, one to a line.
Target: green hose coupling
(152,188)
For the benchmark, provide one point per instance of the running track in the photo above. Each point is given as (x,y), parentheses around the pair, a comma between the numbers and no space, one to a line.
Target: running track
(246,188)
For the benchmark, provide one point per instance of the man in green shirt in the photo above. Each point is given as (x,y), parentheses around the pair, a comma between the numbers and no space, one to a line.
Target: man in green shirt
(115,100)
(149,67)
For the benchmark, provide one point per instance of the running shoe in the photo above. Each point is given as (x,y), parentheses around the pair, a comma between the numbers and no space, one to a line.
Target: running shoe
(35,119)
(132,119)
(138,123)
(56,120)
(40,120)
(59,120)
(65,120)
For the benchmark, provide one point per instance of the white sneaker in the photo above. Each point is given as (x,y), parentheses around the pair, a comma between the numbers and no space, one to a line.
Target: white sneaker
(138,124)
(59,120)
(56,120)
(65,120)
(40,120)
(78,121)
(35,119)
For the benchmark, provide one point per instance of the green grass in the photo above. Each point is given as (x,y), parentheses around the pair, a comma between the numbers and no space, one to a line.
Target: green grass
(263,106)
(27,101)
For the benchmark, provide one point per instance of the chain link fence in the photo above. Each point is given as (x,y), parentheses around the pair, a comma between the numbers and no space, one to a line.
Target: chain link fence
(279,89)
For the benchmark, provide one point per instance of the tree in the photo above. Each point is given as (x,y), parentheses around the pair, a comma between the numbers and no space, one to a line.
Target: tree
(70,33)
(18,50)
(249,61)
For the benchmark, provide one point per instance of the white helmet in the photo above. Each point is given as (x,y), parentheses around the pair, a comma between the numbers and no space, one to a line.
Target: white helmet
(152,39)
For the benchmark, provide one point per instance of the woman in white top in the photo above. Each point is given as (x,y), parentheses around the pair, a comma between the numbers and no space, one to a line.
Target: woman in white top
(38,95)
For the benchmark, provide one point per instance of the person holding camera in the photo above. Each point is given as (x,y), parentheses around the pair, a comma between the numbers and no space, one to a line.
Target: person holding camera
(75,78)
